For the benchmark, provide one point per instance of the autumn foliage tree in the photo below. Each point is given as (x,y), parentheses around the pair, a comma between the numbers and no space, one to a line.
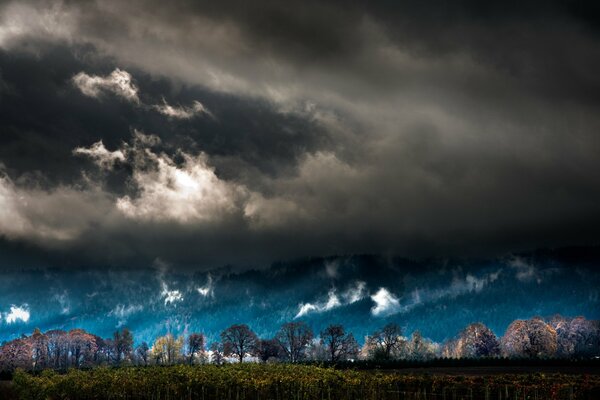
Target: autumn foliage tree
(122,345)
(531,338)
(576,337)
(476,340)
(167,349)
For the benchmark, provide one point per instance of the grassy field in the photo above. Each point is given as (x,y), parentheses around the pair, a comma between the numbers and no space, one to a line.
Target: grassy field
(251,381)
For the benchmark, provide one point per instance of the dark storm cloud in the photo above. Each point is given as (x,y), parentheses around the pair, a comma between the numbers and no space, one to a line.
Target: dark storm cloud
(319,128)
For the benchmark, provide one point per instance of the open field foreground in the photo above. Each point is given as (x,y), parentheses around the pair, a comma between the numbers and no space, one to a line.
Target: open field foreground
(237,382)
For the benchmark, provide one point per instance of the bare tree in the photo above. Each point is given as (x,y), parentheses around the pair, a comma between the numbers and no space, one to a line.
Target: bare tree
(239,340)
(195,344)
(123,345)
(293,339)
(385,342)
(339,345)
(142,352)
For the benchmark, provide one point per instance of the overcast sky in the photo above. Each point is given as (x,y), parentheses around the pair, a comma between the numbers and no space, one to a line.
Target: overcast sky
(204,133)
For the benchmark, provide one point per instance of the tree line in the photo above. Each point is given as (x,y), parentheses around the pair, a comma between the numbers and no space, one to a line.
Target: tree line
(295,342)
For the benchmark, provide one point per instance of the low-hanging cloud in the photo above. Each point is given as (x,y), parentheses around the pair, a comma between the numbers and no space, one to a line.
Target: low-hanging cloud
(122,312)
(385,303)
(17,314)
(352,294)
(208,290)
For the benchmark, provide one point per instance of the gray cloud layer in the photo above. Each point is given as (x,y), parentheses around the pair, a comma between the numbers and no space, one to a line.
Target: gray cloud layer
(303,129)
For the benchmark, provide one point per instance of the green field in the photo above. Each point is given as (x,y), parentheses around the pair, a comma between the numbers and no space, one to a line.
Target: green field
(284,381)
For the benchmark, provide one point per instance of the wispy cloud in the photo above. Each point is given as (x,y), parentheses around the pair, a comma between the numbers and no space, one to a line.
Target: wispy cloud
(64,302)
(182,112)
(101,155)
(118,82)
(208,289)
(122,312)
(353,294)
(331,302)
(171,297)
(387,303)
(524,271)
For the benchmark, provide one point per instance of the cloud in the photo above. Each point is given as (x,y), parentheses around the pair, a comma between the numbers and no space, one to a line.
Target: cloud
(11,222)
(39,215)
(118,82)
(524,271)
(385,303)
(20,20)
(356,293)
(122,312)
(101,156)
(207,290)
(17,314)
(331,268)
(351,295)
(182,112)
(370,128)
(330,303)
(64,302)
(186,193)
(172,297)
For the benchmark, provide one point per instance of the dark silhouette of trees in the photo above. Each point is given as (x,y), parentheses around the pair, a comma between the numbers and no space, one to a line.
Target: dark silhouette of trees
(142,352)
(239,341)
(268,349)
(293,339)
(122,345)
(195,344)
(338,344)
(386,342)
